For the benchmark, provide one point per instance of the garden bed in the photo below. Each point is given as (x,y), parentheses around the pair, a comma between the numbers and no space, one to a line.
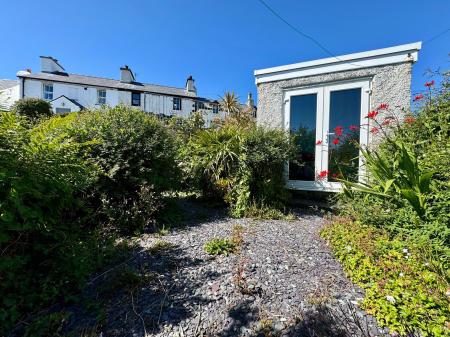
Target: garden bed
(281,281)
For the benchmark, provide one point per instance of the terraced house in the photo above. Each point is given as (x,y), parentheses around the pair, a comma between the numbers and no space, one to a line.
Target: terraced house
(68,92)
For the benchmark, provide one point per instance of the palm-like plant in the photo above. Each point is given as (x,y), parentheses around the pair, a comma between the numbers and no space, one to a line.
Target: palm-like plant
(229,102)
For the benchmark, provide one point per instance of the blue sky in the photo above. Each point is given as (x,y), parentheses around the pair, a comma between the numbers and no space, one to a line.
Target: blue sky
(219,42)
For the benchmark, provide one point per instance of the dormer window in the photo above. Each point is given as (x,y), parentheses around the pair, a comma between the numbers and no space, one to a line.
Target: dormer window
(136,99)
(48,91)
(101,96)
(176,103)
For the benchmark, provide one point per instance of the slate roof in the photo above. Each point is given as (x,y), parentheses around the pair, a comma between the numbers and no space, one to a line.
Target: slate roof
(69,99)
(108,83)
(5,84)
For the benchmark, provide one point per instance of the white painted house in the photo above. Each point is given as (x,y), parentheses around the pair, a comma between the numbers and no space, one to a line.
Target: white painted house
(72,92)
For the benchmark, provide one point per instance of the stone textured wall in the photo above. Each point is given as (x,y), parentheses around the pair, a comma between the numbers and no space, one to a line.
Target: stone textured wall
(391,84)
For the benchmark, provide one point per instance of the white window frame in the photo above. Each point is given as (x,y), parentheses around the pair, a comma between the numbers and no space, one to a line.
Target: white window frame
(215,108)
(101,99)
(323,92)
(47,94)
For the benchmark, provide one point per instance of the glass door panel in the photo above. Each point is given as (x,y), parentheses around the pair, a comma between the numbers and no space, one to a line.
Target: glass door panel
(302,123)
(344,134)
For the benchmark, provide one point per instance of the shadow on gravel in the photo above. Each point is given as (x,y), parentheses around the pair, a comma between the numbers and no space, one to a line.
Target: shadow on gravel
(142,296)
(323,321)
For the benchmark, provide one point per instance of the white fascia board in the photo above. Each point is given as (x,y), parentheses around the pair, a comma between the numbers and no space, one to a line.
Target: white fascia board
(373,58)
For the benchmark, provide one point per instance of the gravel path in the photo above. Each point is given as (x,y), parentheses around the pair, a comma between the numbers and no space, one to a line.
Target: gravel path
(283,282)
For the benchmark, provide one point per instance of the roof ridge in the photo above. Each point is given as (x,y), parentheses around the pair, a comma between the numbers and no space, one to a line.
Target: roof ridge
(113,79)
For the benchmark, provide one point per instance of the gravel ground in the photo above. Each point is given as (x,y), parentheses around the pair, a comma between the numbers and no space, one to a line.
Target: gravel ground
(283,281)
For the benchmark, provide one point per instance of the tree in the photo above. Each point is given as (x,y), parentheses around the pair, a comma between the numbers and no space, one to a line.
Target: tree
(32,108)
(229,102)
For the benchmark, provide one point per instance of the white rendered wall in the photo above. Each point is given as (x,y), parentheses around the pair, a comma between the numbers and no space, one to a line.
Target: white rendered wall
(87,97)
(8,97)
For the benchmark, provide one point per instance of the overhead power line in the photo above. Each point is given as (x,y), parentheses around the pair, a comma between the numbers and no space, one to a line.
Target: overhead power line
(320,45)
(437,36)
(295,29)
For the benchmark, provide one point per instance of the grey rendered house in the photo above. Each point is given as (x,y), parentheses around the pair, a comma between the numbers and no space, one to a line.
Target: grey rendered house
(326,103)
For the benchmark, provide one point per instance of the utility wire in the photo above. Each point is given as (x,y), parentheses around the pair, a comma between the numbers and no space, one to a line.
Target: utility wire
(321,46)
(437,36)
(295,29)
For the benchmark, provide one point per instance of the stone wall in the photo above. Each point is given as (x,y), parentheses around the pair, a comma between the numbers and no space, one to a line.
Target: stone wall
(390,84)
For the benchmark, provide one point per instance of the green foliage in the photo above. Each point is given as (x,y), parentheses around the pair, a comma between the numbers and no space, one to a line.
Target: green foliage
(47,250)
(408,190)
(404,206)
(220,246)
(240,165)
(404,289)
(136,154)
(32,108)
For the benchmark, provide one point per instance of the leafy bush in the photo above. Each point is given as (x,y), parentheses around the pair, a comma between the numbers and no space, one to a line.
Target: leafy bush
(46,252)
(32,108)
(137,155)
(404,290)
(397,244)
(220,247)
(239,165)
(408,190)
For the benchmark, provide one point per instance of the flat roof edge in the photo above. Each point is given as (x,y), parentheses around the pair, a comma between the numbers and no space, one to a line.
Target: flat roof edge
(342,59)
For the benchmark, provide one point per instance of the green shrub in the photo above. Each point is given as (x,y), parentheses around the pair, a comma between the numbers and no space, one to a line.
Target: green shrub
(219,246)
(408,191)
(44,243)
(137,155)
(403,205)
(404,290)
(241,166)
(32,108)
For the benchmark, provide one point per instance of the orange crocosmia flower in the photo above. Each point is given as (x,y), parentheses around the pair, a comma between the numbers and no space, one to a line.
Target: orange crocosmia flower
(372,114)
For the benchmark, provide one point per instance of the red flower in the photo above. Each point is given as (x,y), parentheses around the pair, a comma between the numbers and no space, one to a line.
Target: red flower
(322,174)
(335,175)
(338,130)
(374,130)
(387,121)
(410,120)
(336,141)
(319,142)
(372,114)
(429,84)
(383,106)
(418,97)
(353,128)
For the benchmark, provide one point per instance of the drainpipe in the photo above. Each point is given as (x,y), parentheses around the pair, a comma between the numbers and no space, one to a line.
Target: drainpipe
(22,87)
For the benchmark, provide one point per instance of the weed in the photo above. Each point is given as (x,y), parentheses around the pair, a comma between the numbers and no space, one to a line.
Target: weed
(237,236)
(219,246)
(160,246)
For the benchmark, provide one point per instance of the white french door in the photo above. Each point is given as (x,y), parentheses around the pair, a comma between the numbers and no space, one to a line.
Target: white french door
(328,123)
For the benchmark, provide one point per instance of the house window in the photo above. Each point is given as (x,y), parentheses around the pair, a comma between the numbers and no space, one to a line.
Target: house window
(48,92)
(136,99)
(62,110)
(101,96)
(215,109)
(176,103)
(199,105)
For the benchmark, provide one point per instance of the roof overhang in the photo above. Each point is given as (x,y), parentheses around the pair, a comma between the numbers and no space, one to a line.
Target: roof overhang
(367,59)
